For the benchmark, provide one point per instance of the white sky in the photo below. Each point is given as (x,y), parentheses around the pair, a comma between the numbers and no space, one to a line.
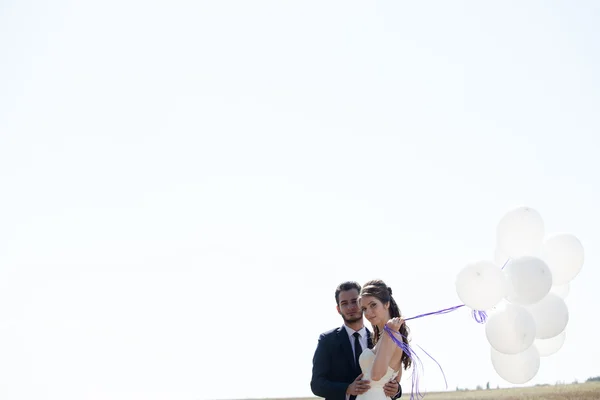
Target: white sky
(183,184)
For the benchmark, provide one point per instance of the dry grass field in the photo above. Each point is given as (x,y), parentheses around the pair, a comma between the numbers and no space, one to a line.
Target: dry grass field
(582,391)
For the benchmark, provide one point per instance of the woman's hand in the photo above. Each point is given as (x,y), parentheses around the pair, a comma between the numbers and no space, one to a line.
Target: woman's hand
(395,323)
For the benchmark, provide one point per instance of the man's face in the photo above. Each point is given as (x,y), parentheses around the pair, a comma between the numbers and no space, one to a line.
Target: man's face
(348,306)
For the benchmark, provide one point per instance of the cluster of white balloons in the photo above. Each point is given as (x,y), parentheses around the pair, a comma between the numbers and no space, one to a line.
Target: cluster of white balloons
(523,290)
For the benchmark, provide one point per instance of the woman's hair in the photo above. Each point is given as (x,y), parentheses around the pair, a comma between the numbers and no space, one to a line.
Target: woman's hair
(378,289)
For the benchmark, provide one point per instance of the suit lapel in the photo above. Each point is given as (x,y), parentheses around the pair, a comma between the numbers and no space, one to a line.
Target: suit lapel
(346,346)
(369,339)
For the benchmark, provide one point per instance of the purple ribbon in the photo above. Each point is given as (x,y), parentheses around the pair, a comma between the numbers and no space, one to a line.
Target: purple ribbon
(416,363)
(479,316)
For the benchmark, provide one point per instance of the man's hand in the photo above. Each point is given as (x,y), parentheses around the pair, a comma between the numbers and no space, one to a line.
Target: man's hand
(391,388)
(359,386)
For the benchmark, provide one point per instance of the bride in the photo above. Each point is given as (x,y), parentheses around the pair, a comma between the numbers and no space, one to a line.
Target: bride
(386,359)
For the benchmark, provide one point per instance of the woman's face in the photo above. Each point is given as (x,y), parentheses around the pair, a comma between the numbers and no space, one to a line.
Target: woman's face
(374,310)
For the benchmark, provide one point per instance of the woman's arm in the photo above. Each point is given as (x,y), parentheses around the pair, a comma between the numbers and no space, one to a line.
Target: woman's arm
(399,376)
(386,351)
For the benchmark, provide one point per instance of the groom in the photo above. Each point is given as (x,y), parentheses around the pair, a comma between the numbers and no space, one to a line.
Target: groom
(336,374)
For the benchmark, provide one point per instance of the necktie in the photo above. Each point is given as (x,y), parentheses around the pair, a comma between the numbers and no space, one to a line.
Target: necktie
(357,348)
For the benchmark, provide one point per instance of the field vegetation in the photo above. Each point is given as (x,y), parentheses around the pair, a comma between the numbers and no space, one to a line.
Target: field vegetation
(576,391)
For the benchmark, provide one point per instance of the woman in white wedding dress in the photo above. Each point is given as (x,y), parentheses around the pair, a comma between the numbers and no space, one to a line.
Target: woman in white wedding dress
(386,359)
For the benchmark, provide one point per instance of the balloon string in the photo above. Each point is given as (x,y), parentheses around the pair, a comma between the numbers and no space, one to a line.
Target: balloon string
(444,311)
(416,363)
(479,316)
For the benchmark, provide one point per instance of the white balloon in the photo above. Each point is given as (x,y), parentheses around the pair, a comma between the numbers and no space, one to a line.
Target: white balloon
(547,347)
(564,255)
(500,306)
(551,316)
(481,285)
(511,329)
(561,290)
(517,368)
(520,232)
(529,280)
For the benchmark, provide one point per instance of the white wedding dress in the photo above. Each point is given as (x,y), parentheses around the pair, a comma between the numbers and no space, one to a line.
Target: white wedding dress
(376,392)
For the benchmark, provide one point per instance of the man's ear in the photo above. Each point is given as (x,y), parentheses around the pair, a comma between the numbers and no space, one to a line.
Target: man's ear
(338,310)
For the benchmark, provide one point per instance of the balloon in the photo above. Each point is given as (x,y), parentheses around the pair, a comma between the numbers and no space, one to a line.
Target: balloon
(500,306)
(547,347)
(561,290)
(481,285)
(564,255)
(510,330)
(551,316)
(517,368)
(520,232)
(529,280)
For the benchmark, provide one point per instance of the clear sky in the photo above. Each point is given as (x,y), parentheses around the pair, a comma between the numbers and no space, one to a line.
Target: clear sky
(184,183)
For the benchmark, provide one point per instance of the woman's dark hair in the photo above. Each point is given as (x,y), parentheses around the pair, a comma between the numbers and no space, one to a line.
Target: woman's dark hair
(378,289)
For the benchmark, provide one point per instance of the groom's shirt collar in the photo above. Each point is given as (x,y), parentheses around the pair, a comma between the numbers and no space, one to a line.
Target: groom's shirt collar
(362,332)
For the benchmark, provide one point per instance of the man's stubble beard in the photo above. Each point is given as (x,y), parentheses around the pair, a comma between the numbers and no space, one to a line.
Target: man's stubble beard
(352,320)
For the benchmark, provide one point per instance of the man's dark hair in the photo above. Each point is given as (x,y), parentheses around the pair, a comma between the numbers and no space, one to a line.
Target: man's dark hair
(342,287)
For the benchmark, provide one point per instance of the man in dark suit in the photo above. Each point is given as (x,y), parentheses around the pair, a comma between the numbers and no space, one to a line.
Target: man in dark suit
(336,374)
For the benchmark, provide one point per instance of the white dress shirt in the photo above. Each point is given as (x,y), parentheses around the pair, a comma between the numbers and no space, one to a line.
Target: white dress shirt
(362,340)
